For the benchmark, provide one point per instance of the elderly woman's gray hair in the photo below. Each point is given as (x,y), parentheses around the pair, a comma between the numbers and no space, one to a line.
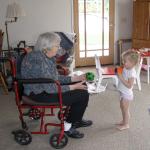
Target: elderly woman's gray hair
(47,41)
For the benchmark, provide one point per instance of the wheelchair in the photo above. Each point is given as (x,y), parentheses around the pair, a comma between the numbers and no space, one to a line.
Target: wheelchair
(36,110)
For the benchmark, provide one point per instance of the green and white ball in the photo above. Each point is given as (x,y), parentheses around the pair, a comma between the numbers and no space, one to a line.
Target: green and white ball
(90,76)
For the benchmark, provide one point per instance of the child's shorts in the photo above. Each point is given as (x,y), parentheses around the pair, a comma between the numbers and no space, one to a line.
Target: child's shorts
(126,97)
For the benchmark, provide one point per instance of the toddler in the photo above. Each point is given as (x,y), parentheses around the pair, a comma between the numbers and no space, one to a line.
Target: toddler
(126,80)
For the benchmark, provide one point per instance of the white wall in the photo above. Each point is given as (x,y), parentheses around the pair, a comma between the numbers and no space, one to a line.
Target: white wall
(41,16)
(123,23)
(55,15)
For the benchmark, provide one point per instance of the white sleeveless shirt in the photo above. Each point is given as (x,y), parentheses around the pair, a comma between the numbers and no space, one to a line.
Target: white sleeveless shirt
(126,75)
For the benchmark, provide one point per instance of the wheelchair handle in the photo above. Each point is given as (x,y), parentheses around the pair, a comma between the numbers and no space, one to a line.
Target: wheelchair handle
(4,59)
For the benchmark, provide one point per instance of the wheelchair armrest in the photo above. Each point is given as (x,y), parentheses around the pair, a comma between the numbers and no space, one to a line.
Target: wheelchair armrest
(36,80)
(42,80)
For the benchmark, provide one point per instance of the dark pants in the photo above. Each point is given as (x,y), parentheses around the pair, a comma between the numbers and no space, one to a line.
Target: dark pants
(76,99)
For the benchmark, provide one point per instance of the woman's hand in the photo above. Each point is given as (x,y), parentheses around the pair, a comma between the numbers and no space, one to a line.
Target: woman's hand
(77,78)
(79,85)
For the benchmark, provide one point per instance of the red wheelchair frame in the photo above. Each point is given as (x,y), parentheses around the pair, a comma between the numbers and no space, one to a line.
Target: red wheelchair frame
(37,111)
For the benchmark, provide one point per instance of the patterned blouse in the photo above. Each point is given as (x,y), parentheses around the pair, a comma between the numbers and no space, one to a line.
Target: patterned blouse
(37,65)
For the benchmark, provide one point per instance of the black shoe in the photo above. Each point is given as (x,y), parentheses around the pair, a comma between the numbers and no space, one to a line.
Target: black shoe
(82,123)
(73,133)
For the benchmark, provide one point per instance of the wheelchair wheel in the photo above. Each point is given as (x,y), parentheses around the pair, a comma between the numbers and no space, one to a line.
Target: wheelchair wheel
(35,114)
(65,112)
(54,141)
(22,137)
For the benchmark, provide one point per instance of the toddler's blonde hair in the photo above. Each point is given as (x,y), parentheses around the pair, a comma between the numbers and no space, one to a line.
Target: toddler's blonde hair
(132,55)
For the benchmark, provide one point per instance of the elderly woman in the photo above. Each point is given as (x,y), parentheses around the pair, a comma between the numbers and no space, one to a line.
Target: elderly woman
(40,63)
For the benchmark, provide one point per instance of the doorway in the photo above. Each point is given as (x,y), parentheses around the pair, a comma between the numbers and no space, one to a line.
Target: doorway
(94,26)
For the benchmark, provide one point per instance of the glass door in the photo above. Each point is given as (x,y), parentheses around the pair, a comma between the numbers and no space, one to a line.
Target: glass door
(94,25)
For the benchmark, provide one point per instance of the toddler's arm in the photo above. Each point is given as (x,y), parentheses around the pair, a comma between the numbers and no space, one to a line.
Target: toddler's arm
(128,83)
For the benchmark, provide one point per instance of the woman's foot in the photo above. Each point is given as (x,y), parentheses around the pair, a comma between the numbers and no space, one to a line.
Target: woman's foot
(73,133)
(123,127)
(82,123)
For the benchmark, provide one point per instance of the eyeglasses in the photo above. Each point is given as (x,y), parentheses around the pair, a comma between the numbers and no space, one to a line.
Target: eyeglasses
(58,46)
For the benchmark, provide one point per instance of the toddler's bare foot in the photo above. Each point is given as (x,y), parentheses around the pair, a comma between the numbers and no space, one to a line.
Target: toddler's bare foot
(123,127)
(120,123)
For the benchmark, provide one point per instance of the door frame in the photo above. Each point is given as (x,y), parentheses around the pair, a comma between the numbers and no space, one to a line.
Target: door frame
(90,61)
